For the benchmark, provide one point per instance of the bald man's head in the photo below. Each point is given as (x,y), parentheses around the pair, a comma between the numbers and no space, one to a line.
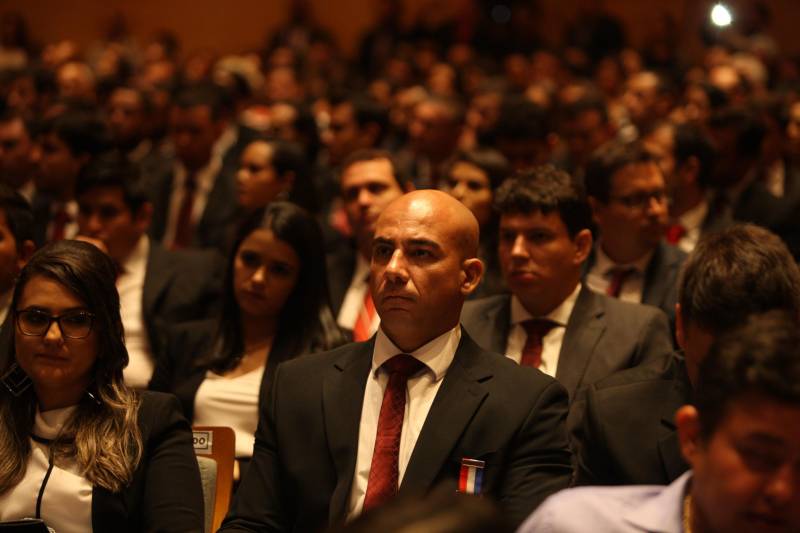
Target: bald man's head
(424,264)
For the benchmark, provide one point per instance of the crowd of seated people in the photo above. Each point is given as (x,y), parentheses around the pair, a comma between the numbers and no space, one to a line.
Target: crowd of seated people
(460,259)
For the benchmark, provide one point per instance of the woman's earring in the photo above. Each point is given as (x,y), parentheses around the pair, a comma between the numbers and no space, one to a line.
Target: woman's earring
(16,380)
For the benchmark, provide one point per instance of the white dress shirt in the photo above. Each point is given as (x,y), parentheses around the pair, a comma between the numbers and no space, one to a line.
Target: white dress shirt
(67,498)
(551,342)
(130,286)
(599,277)
(692,220)
(354,298)
(204,183)
(231,402)
(421,390)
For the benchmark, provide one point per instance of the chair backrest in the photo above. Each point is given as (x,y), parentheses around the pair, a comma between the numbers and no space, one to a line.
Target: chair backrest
(219,444)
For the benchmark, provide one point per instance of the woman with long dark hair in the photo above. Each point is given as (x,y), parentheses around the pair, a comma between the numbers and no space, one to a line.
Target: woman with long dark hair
(80,450)
(275,307)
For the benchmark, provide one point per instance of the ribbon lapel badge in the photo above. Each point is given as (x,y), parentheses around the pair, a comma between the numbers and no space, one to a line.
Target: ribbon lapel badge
(471,478)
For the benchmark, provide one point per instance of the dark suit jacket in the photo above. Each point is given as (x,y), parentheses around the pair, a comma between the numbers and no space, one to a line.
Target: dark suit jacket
(628,433)
(165,494)
(603,335)
(213,229)
(178,287)
(486,408)
(340,262)
(660,287)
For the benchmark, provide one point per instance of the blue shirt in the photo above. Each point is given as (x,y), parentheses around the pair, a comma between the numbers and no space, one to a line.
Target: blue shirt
(628,509)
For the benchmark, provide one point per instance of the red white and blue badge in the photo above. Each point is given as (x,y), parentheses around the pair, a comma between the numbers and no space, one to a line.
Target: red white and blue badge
(471,478)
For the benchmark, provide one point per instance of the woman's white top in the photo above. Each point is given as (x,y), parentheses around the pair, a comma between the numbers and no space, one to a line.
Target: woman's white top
(231,402)
(66,504)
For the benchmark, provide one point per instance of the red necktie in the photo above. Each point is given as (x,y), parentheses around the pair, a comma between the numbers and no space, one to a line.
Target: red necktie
(675,233)
(618,277)
(60,220)
(536,328)
(384,471)
(184,228)
(362,329)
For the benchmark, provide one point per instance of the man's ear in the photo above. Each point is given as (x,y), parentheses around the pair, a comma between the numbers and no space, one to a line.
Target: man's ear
(471,274)
(583,245)
(687,421)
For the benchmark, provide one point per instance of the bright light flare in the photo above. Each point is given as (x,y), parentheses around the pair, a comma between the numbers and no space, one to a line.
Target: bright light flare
(721,16)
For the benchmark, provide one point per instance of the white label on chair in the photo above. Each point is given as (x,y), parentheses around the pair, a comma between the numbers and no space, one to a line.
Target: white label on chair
(203,441)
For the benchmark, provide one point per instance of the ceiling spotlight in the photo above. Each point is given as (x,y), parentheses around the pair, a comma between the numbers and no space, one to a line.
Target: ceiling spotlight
(721,15)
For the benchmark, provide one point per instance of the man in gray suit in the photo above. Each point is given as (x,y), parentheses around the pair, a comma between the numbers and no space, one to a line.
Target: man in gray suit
(551,320)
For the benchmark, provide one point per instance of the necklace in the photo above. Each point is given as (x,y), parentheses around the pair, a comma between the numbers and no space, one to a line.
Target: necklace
(687,513)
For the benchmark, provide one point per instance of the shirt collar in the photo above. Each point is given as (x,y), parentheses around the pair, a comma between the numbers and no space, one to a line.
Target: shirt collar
(693,218)
(436,354)
(664,512)
(605,264)
(560,315)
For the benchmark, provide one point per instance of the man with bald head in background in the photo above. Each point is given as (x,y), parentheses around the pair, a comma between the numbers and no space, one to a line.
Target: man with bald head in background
(419,405)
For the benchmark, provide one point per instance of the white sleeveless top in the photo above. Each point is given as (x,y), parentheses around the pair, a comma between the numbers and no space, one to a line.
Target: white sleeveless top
(66,501)
(231,402)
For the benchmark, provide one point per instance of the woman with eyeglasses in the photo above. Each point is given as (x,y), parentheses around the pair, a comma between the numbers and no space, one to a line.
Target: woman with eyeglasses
(274,308)
(80,450)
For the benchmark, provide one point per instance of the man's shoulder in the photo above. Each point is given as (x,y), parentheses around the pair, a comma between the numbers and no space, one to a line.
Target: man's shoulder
(340,357)
(477,309)
(640,313)
(670,255)
(637,386)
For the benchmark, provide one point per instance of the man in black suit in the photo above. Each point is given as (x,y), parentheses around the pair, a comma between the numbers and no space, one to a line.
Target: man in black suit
(194,202)
(628,432)
(628,195)
(157,287)
(417,406)
(545,237)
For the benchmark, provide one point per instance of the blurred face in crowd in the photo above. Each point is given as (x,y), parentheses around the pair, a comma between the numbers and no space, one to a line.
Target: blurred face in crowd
(745,474)
(194,131)
(75,81)
(540,262)
(265,273)
(660,143)
(470,185)
(257,182)
(635,216)
(432,130)
(16,164)
(367,188)
(13,255)
(585,133)
(344,135)
(57,167)
(641,96)
(104,215)
(126,117)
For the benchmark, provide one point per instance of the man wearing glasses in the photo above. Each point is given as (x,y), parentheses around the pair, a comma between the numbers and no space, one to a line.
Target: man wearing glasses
(631,261)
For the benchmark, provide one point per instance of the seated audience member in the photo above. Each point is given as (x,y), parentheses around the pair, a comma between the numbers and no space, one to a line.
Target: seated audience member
(628,433)
(157,287)
(551,321)
(80,449)
(472,178)
(686,157)
(333,440)
(194,202)
(16,242)
(741,438)
(273,170)
(522,133)
(274,308)
(370,181)
(631,261)
(65,144)
(16,150)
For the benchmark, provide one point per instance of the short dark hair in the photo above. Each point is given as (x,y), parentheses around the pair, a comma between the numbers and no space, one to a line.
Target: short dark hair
(746,125)
(19,216)
(201,95)
(606,161)
(735,273)
(489,160)
(84,132)
(546,189)
(113,169)
(371,154)
(762,356)
(366,110)
(519,118)
(691,141)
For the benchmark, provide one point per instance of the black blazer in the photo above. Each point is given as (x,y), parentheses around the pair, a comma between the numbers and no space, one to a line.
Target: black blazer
(165,494)
(603,335)
(628,433)
(487,408)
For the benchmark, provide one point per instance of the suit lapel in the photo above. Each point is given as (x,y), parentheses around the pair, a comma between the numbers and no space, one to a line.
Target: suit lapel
(459,396)
(157,277)
(584,329)
(342,401)
(496,325)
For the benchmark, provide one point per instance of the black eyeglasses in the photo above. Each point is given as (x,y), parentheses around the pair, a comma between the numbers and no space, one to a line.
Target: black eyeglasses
(73,325)
(641,200)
